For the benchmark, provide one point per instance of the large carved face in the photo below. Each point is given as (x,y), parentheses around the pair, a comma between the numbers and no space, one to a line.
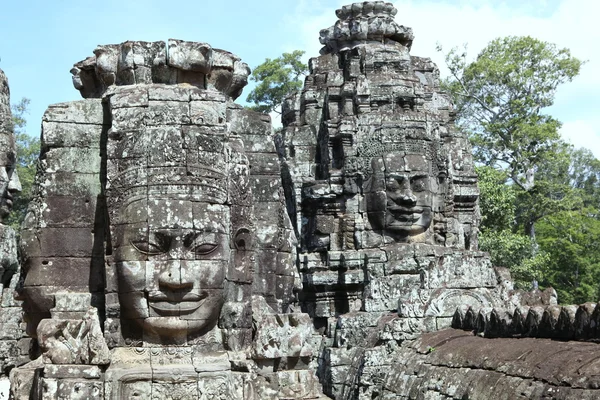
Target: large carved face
(171,263)
(402,194)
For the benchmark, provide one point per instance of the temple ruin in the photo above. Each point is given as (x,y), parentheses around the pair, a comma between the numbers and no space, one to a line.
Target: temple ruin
(177,248)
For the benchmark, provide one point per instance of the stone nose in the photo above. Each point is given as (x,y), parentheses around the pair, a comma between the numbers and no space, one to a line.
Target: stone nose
(172,277)
(14,184)
(404,195)
(407,197)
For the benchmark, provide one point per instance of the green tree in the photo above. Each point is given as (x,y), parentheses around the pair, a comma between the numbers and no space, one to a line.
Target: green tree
(28,150)
(568,258)
(572,241)
(571,237)
(500,97)
(497,201)
(516,252)
(276,79)
(584,175)
(552,192)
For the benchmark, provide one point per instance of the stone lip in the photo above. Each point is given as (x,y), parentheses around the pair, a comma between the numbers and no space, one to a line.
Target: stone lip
(366,22)
(174,62)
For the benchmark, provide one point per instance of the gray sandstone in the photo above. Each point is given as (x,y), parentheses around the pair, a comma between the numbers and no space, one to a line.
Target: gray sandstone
(14,344)
(176,248)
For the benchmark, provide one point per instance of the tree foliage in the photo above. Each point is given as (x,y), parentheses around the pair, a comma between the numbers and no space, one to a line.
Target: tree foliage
(496,200)
(500,97)
(540,198)
(584,175)
(572,241)
(276,79)
(28,150)
(515,251)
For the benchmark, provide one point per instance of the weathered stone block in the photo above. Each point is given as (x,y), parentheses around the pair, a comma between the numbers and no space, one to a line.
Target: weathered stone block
(129,96)
(248,124)
(461,271)
(78,160)
(68,273)
(63,134)
(68,211)
(207,112)
(88,111)
(79,388)
(68,183)
(49,242)
(264,164)
(170,93)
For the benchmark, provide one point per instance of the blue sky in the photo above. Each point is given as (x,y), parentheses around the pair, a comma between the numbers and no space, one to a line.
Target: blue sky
(41,40)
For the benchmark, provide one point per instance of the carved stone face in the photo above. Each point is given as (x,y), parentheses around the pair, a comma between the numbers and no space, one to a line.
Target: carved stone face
(171,268)
(402,195)
(9,186)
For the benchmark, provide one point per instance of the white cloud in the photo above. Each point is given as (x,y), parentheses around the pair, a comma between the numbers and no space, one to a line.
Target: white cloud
(568,23)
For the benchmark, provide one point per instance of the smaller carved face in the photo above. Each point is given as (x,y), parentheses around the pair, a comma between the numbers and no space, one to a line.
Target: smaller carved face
(402,194)
(9,186)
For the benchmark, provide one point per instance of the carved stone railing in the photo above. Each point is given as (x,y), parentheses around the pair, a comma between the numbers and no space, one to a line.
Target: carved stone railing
(570,322)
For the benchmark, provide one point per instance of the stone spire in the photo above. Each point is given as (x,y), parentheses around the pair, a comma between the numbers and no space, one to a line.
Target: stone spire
(363,23)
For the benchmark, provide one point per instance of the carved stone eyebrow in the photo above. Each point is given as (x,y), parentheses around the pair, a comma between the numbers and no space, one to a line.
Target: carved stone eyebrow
(398,175)
(189,238)
(163,238)
(213,226)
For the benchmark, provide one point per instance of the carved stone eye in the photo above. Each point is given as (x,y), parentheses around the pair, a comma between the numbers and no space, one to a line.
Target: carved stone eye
(419,184)
(203,249)
(148,248)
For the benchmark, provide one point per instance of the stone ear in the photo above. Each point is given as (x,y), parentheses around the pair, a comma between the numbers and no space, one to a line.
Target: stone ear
(242,239)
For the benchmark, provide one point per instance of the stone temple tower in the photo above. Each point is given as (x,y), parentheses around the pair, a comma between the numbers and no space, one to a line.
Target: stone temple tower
(381,186)
(382,192)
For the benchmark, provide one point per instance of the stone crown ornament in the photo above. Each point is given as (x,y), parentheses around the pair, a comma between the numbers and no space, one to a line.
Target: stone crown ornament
(364,22)
(174,62)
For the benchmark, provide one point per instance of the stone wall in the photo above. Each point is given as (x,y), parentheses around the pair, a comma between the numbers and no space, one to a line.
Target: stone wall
(454,364)
(370,120)
(382,192)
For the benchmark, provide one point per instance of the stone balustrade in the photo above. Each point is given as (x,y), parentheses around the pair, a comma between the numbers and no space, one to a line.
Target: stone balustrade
(569,322)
